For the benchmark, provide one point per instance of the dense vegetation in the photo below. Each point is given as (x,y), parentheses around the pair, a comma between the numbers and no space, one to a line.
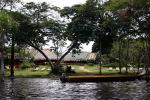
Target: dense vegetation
(119,29)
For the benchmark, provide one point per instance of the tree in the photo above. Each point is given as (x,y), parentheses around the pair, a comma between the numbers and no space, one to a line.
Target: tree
(8,6)
(122,16)
(135,13)
(6,23)
(5,4)
(37,28)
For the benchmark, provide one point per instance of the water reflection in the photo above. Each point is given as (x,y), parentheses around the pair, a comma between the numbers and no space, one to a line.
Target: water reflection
(47,89)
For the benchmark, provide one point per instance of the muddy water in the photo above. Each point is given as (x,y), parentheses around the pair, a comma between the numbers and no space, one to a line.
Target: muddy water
(49,89)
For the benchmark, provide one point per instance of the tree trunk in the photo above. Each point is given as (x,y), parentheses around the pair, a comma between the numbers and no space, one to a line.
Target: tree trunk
(139,63)
(12,58)
(127,57)
(146,60)
(68,51)
(48,60)
(2,66)
(55,67)
(119,51)
(2,73)
(100,54)
(57,64)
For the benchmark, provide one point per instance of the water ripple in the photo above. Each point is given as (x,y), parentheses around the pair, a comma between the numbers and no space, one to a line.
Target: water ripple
(48,89)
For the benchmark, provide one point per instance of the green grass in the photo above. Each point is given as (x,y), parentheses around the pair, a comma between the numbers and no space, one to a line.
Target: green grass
(30,72)
(80,70)
(26,73)
(43,66)
(94,70)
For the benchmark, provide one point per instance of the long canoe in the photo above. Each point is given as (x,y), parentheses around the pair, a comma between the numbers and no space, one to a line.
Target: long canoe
(101,78)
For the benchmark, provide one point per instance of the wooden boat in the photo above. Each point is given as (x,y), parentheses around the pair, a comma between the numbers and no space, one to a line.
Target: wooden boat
(101,78)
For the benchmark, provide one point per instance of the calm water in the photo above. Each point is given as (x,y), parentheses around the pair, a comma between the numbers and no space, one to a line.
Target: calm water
(48,89)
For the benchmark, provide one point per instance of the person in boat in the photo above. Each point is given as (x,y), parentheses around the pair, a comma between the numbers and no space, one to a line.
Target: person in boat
(69,70)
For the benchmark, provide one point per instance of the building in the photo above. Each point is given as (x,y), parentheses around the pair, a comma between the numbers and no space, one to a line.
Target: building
(80,58)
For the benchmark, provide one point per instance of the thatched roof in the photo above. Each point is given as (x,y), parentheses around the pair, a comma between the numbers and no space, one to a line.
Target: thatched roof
(16,56)
(51,55)
(83,56)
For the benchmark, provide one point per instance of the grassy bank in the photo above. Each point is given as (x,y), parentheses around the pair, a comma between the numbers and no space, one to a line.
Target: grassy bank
(28,73)
(43,71)
(40,71)
(87,69)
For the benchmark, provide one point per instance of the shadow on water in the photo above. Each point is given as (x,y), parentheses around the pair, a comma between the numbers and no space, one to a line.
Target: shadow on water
(48,89)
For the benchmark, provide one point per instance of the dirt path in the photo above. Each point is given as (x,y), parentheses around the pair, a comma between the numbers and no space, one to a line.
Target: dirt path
(85,70)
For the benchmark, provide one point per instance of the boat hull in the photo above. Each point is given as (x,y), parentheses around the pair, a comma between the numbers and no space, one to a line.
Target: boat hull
(103,78)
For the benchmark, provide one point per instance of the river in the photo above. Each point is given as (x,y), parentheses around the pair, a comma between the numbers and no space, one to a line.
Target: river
(51,89)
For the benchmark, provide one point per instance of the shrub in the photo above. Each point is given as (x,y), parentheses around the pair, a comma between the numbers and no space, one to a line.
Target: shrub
(90,64)
(115,64)
(111,65)
(26,65)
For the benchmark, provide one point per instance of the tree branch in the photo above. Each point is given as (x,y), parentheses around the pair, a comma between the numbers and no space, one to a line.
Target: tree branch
(62,57)
(32,45)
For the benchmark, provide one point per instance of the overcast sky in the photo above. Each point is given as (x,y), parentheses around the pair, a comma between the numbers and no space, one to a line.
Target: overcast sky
(61,4)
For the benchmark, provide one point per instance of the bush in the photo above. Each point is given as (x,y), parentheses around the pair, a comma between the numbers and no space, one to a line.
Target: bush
(111,65)
(91,61)
(26,65)
(115,64)
(90,64)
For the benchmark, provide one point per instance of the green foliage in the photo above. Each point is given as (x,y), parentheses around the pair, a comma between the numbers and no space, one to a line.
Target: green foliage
(136,52)
(115,64)
(89,23)
(106,44)
(36,26)
(6,21)
(113,5)
(37,11)
(26,65)
(92,21)
(90,64)
(29,73)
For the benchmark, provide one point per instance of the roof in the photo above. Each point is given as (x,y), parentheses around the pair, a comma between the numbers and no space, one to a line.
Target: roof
(51,55)
(83,56)
(92,56)
(16,56)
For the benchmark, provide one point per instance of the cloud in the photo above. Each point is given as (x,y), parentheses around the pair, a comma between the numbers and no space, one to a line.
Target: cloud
(59,3)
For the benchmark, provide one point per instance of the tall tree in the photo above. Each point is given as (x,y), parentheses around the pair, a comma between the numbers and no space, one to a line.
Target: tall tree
(37,28)
(137,13)
(89,22)
(6,23)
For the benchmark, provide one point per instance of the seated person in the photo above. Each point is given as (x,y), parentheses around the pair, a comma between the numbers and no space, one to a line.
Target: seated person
(69,70)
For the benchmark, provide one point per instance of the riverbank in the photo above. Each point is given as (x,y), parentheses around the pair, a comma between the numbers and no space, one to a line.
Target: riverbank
(43,71)
(31,74)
